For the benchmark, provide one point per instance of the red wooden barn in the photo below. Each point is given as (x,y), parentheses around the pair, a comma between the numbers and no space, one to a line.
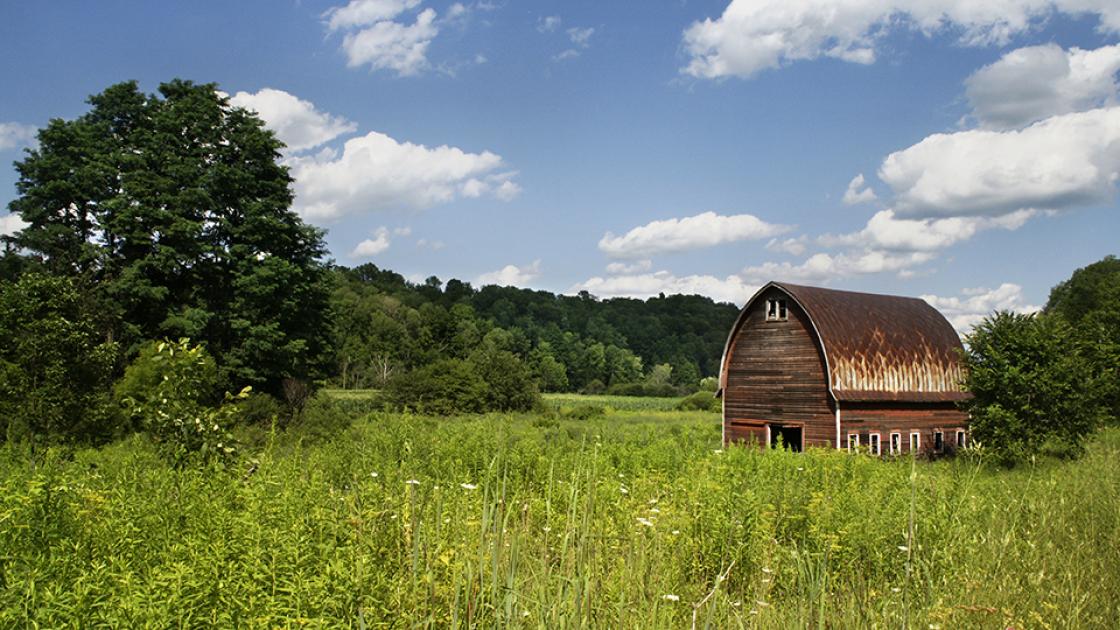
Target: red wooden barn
(821,367)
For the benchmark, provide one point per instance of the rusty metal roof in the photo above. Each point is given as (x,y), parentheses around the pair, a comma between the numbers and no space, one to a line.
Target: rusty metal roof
(882,347)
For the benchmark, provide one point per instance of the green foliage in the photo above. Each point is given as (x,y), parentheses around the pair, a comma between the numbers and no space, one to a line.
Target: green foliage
(701,401)
(510,385)
(442,388)
(322,418)
(1090,302)
(516,521)
(259,408)
(584,411)
(192,368)
(709,384)
(166,393)
(55,370)
(175,211)
(1032,386)
(384,325)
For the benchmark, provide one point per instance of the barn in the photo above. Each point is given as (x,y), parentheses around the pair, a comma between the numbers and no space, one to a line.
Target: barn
(807,366)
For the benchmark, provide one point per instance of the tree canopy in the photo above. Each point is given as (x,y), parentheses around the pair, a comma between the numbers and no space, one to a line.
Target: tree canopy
(174,210)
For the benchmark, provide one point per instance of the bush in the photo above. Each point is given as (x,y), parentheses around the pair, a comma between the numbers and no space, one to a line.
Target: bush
(55,372)
(193,370)
(594,388)
(510,385)
(709,384)
(584,411)
(1032,386)
(443,388)
(321,419)
(172,410)
(261,409)
(701,401)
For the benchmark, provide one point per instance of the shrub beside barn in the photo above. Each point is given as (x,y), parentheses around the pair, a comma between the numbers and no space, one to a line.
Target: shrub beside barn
(807,366)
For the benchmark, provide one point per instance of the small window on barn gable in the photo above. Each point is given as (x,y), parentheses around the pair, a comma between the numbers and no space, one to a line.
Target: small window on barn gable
(873,444)
(776,310)
(915,441)
(938,441)
(961,439)
(853,442)
(896,443)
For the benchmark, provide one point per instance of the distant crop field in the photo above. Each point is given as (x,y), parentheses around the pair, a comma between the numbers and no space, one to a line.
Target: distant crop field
(618,403)
(620,520)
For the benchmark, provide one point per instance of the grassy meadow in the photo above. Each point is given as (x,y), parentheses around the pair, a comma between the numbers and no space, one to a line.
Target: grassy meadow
(630,518)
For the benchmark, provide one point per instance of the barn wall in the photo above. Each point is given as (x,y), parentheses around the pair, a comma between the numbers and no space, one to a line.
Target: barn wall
(885,418)
(776,373)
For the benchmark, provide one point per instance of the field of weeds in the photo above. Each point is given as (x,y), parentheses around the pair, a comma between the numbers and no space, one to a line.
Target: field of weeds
(618,520)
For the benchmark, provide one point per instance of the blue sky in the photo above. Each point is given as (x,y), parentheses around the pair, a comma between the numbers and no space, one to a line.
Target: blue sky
(966,152)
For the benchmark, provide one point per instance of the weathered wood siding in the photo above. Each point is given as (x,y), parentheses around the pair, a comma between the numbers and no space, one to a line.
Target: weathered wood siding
(776,374)
(887,418)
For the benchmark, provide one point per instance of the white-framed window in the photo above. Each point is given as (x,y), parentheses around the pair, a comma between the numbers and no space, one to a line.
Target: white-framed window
(776,310)
(896,443)
(962,438)
(938,441)
(915,441)
(874,445)
(853,442)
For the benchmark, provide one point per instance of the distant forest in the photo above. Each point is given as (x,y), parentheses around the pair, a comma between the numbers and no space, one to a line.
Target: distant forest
(383,325)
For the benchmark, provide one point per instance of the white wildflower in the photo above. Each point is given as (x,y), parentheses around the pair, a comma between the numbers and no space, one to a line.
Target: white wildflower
(671,598)
(645,521)
(413,482)
(903,548)
(654,511)
(373,474)
(895,589)
(676,532)
(623,490)
(766,570)
(468,486)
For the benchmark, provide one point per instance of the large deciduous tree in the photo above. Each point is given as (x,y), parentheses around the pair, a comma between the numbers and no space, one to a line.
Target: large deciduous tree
(176,209)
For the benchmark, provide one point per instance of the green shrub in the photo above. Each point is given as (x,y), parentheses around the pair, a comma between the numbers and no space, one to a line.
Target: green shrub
(55,372)
(172,410)
(261,409)
(321,419)
(443,388)
(584,411)
(510,385)
(192,369)
(1032,386)
(700,401)
(709,384)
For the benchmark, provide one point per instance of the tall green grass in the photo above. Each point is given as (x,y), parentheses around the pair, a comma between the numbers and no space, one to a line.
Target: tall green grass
(626,520)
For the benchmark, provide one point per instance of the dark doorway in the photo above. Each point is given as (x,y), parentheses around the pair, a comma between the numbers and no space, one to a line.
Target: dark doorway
(789,437)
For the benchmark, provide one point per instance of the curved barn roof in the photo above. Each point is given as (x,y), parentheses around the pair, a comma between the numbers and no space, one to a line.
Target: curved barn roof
(879,347)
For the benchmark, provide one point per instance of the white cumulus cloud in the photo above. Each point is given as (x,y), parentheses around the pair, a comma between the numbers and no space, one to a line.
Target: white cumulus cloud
(755,35)
(365,12)
(973,305)
(511,275)
(822,267)
(390,45)
(295,121)
(1029,84)
(375,172)
(858,192)
(674,235)
(372,246)
(10,224)
(1058,163)
(792,246)
(616,268)
(15,135)
(887,232)
(729,289)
